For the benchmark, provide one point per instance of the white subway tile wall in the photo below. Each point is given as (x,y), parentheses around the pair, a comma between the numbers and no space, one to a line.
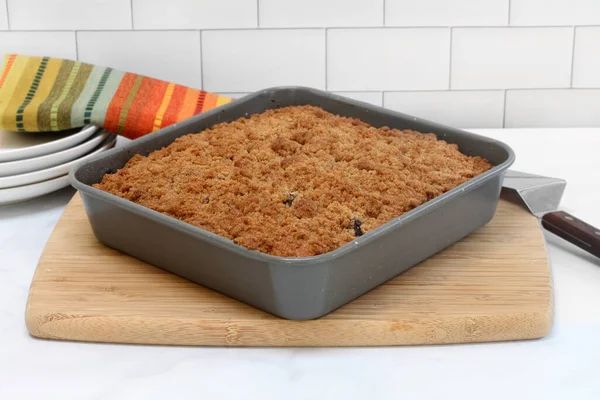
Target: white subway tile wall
(248,60)
(446,13)
(586,62)
(69,14)
(554,12)
(552,108)
(461,109)
(388,59)
(465,63)
(498,58)
(194,14)
(3,16)
(169,55)
(50,44)
(320,13)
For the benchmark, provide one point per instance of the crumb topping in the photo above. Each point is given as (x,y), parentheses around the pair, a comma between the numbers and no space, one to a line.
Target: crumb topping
(296,181)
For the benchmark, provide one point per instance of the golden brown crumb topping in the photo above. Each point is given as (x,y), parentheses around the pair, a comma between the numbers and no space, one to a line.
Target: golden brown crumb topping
(295,181)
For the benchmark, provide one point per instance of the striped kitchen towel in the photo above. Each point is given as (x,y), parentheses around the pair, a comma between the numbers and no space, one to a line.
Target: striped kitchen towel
(40,94)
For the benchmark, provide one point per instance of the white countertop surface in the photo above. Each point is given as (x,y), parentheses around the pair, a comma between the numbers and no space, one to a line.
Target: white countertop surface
(564,365)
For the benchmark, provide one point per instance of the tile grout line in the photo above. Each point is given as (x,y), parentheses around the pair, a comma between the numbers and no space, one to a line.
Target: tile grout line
(304,28)
(326,57)
(573,56)
(504,113)
(382,92)
(450,59)
(131,12)
(7,15)
(509,6)
(258,13)
(514,89)
(384,1)
(201,60)
(76,45)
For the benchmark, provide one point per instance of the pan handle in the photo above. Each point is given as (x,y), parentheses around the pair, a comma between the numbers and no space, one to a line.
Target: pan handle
(574,230)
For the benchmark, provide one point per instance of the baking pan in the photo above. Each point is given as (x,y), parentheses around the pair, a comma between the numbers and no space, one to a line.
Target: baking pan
(292,288)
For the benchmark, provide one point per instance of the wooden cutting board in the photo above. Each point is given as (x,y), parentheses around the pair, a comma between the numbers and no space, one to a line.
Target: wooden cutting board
(493,285)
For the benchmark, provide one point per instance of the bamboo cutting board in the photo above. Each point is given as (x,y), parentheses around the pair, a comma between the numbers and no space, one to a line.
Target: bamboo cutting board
(493,285)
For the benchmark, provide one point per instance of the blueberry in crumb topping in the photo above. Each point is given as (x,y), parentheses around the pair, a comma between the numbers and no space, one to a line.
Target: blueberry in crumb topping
(357,229)
(290,199)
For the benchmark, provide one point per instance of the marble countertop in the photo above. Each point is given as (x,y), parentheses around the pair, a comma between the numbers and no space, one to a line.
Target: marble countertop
(565,364)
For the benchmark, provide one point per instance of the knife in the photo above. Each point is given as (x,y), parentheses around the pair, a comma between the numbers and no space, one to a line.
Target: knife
(542,195)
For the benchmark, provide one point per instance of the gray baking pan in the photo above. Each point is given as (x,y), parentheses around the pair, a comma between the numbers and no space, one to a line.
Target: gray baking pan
(293,288)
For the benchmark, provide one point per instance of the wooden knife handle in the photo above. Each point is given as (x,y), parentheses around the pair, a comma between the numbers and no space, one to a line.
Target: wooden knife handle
(573,230)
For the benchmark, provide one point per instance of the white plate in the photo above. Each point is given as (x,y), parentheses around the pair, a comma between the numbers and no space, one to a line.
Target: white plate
(22,193)
(49,173)
(50,160)
(21,145)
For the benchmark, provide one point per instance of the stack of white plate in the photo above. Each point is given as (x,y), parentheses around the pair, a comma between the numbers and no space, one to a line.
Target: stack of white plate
(35,164)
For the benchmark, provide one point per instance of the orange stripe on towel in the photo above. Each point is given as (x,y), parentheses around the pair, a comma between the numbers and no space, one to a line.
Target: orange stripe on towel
(163,107)
(210,102)
(8,66)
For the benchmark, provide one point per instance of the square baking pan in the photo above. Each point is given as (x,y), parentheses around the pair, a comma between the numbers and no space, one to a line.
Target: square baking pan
(292,288)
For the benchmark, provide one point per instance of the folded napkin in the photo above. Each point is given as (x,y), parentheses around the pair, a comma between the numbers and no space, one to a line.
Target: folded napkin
(40,94)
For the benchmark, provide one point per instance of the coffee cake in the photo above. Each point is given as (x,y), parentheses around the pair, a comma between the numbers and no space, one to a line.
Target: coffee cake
(294,182)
